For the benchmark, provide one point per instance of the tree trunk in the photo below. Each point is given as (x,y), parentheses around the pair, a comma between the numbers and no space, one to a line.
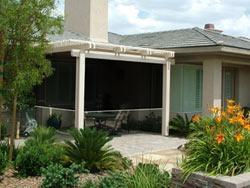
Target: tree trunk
(13,127)
(1,79)
(1,93)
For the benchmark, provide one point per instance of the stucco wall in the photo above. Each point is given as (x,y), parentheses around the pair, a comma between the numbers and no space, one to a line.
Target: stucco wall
(244,86)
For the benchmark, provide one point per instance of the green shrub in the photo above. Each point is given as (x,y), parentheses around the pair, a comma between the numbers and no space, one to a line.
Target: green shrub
(143,176)
(79,168)
(148,176)
(180,125)
(220,144)
(32,158)
(114,180)
(41,135)
(3,156)
(56,176)
(90,146)
(40,150)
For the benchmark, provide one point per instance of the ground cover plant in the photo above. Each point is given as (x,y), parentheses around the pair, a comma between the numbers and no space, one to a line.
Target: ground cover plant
(220,143)
(57,176)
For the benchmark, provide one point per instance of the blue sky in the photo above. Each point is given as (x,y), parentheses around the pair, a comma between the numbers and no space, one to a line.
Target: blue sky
(139,16)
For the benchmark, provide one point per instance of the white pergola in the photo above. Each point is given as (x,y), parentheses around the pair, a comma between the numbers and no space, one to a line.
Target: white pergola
(86,49)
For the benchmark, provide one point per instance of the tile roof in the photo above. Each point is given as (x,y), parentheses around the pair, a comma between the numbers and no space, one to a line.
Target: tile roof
(193,37)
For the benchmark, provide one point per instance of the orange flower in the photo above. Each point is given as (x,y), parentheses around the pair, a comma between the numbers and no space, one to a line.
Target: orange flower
(196,118)
(247,126)
(241,120)
(223,114)
(230,109)
(239,137)
(215,110)
(232,120)
(230,102)
(220,138)
(218,119)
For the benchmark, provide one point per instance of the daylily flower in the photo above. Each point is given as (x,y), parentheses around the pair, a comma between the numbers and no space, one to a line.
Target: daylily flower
(247,126)
(196,118)
(218,119)
(220,138)
(230,102)
(239,137)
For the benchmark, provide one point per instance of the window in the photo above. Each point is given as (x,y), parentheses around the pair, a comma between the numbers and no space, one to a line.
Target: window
(186,88)
(229,77)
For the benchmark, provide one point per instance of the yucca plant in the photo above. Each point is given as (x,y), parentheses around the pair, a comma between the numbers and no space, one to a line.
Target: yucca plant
(180,125)
(90,146)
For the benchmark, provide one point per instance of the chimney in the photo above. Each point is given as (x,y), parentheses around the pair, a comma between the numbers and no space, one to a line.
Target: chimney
(211,27)
(87,17)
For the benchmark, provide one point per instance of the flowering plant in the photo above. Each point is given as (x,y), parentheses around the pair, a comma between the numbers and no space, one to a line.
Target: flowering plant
(220,143)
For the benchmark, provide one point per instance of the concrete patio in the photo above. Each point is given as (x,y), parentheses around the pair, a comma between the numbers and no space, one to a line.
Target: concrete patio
(143,143)
(150,148)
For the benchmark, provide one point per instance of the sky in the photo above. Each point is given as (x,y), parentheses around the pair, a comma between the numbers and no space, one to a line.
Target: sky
(140,16)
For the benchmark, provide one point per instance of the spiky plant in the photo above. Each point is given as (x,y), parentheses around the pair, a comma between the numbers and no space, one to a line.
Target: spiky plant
(180,124)
(90,146)
(42,135)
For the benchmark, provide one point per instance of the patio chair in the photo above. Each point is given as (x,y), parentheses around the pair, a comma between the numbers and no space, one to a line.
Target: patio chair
(30,125)
(115,124)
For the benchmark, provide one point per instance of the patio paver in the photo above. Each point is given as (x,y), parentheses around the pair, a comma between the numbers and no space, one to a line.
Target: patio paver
(143,143)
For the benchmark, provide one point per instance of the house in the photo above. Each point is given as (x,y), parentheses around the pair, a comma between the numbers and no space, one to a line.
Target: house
(210,67)
(181,71)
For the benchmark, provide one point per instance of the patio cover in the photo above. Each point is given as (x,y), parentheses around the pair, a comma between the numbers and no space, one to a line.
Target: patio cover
(87,49)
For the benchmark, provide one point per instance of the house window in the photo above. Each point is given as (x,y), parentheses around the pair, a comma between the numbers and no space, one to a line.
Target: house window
(186,89)
(229,82)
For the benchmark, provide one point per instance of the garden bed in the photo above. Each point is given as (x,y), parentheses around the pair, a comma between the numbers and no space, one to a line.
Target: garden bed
(11,181)
(201,180)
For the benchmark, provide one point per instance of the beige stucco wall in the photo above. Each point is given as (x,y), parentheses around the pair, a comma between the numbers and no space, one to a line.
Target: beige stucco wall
(88,17)
(244,86)
(212,83)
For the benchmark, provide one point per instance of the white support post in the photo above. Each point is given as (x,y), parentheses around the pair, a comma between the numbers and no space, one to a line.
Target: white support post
(166,98)
(80,90)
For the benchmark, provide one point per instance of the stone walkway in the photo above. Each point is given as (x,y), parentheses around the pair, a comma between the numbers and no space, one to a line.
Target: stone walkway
(150,148)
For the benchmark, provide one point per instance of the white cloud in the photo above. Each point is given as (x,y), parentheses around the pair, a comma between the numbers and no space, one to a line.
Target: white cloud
(127,18)
(229,15)
(137,16)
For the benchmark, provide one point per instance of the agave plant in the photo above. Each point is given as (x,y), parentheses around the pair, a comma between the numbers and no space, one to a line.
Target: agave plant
(180,124)
(42,135)
(90,146)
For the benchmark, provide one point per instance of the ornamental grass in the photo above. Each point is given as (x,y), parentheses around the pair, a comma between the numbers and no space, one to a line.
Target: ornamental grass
(220,143)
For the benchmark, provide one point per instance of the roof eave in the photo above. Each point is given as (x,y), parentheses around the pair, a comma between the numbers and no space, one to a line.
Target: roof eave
(211,49)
